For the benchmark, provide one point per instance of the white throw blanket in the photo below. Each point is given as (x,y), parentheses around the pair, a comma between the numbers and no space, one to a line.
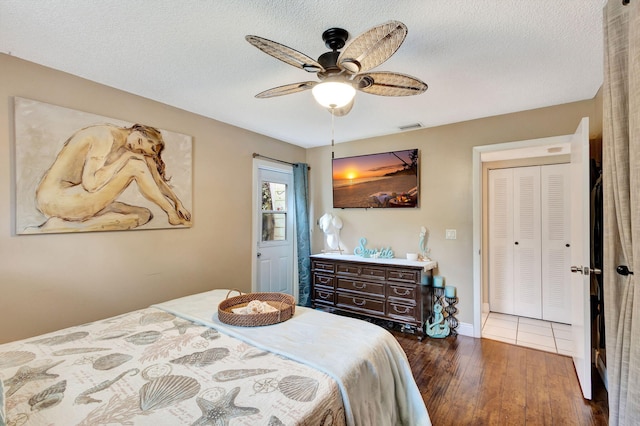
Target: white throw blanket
(2,415)
(367,362)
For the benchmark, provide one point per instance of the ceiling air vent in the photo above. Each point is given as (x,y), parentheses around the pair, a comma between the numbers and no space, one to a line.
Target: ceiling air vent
(411,126)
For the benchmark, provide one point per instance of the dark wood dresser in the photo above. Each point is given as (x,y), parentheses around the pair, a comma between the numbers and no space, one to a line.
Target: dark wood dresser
(387,289)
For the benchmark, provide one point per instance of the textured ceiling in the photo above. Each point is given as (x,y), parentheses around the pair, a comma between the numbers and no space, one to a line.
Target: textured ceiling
(479,57)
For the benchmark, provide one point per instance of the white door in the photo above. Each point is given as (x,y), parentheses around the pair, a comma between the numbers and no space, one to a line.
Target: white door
(274,254)
(526,245)
(556,243)
(580,256)
(501,240)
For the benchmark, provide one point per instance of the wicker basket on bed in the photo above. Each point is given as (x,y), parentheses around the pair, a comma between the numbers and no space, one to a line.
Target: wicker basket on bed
(284,303)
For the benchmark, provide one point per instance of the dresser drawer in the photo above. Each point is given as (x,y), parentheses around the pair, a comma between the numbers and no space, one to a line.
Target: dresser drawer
(323,280)
(364,271)
(368,289)
(323,297)
(404,275)
(373,273)
(403,312)
(403,293)
(320,266)
(361,304)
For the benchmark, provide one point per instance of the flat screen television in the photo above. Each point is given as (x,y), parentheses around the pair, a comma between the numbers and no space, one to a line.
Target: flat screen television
(384,180)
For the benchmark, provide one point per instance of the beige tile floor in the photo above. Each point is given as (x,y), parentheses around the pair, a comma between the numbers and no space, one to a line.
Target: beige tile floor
(533,333)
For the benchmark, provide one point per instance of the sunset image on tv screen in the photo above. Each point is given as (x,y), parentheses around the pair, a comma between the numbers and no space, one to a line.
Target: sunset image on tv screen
(388,179)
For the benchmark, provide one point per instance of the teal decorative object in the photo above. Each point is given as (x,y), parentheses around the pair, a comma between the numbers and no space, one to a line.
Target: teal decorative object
(450,291)
(438,281)
(439,328)
(363,251)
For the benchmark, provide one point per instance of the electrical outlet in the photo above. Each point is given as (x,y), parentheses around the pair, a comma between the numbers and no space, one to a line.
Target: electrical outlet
(450,234)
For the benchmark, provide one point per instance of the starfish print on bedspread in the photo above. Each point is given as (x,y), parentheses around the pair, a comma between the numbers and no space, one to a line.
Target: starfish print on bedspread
(28,374)
(220,411)
(182,326)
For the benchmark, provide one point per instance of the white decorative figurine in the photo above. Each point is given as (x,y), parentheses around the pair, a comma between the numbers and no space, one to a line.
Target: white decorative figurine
(424,238)
(331,225)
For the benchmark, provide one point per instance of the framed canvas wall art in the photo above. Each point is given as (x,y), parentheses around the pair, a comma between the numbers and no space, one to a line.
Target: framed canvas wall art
(81,172)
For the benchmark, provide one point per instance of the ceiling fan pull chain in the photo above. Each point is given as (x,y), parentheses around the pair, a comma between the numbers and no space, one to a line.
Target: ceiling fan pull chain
(332,132)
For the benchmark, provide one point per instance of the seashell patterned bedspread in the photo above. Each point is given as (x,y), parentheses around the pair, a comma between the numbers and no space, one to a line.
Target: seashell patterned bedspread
(149,367)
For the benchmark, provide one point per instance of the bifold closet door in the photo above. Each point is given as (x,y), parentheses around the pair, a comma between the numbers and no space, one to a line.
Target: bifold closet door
(514,241)
(527,248)
(556,238)
(501,241)
(529,242)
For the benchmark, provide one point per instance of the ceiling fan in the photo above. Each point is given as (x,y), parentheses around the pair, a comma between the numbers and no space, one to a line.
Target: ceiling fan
(346,70)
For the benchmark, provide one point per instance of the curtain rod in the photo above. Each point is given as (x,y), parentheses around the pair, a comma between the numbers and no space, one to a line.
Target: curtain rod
(255,154)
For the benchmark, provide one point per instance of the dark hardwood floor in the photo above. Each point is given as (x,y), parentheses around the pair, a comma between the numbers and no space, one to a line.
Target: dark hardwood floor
(467,381)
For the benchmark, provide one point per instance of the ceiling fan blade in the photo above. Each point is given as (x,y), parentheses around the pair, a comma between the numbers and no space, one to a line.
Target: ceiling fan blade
(287,89)
(341,112)
(372,47)
(390,84)
(285,54)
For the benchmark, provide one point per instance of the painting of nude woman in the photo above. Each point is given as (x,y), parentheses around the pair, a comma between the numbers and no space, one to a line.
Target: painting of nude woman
(79,172)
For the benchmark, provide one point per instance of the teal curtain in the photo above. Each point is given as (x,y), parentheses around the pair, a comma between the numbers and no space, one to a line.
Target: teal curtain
(301,195)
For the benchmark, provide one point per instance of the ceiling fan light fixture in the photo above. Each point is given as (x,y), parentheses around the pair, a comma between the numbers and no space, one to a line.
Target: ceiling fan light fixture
(333,94)
(345,68)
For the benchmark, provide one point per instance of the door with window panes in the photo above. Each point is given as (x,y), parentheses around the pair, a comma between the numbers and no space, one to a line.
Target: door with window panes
(275,227)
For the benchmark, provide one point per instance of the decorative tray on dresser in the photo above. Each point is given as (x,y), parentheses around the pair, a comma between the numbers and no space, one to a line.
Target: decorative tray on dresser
(387,289)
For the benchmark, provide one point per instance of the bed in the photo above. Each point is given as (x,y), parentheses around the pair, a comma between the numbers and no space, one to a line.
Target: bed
(175,363)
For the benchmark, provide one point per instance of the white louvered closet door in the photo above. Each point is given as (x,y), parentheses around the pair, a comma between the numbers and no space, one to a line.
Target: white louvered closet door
(527,248)
(556,238)
(501,240)
(529,236)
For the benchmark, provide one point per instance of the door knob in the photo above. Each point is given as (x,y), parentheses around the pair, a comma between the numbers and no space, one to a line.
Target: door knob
(259,254)
(585,270)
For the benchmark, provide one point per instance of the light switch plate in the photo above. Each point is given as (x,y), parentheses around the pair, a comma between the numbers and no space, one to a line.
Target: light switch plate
(450,234)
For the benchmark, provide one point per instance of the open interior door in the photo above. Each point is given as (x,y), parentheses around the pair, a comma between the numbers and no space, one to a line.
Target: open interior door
(580,256)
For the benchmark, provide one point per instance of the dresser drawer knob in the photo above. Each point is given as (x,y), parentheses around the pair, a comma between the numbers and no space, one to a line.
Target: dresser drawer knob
(395,290)
(360,287)
(359,303)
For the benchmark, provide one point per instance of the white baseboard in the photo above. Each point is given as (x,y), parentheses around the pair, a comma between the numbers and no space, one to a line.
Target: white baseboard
(465,329)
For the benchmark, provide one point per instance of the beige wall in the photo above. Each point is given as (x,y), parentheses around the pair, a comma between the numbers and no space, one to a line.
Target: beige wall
(445,187)
(52,281)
